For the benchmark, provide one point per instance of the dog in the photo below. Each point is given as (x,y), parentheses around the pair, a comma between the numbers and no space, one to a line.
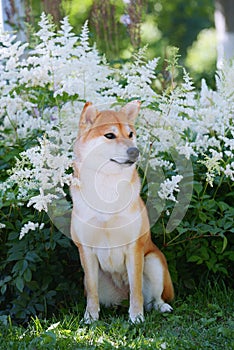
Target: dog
(109,221)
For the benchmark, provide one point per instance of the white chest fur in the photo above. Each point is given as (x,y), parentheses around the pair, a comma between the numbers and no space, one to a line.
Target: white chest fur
(111,260)
(106,210)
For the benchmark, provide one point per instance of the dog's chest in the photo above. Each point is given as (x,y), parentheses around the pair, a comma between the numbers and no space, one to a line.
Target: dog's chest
(107,231)
(113,261)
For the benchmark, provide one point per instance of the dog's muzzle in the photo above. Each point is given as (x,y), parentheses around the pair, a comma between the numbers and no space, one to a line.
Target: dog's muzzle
(132,156)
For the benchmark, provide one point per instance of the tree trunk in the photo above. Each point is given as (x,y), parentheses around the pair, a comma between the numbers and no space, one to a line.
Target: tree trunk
(224,23)
(54,8)
(12,17)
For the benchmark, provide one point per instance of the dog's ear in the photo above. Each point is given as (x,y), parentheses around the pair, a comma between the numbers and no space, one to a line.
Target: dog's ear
(132,109)
(87,118)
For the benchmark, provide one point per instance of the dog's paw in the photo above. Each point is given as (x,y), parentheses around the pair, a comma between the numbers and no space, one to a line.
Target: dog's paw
(165,308)
(90,318)
(139,318)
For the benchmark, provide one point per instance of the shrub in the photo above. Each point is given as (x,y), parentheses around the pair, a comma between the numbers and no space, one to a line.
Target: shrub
(187,167)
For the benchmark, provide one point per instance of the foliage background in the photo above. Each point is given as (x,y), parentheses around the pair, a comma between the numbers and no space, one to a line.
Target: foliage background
(164,24)
(40,273)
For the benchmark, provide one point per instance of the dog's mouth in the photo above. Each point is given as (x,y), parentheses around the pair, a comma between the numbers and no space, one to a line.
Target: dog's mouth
(128,162)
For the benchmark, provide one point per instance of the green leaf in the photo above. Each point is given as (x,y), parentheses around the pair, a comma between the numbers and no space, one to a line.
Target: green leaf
(20,267)
(194,258)
(3,289)
(202,216)
(19,282)
(15,255)
(4,320)
(49,338)
(197,187)
(27,275)
(223,206)
(225,242)
(6,279)
(32,256)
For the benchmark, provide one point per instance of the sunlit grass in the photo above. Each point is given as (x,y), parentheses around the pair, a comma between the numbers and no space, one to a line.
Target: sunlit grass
(200,321)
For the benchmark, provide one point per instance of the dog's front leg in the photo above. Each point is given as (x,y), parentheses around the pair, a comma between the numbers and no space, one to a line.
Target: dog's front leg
(90,265)
(135,261)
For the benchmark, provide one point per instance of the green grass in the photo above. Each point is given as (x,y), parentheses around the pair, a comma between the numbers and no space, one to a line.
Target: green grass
(200,321)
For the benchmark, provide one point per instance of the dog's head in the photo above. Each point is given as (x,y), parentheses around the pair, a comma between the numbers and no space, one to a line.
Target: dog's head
(107,139)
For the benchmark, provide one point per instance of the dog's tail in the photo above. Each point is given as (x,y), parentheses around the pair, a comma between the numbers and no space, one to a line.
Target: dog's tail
(168,290)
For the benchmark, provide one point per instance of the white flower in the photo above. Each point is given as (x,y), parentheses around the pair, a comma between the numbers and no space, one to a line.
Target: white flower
(168,187)
(229,171)
(41,201)
(158,162)
(29,226)
(213,165)
(46,31)
(2,225)
(187,150)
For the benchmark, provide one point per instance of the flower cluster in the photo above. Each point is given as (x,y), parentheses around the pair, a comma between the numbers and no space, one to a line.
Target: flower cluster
(198,125)
(168,187)
(30,226)
(43,90)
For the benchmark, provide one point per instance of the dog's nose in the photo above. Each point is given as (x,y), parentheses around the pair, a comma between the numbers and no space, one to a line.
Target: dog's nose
(133,153)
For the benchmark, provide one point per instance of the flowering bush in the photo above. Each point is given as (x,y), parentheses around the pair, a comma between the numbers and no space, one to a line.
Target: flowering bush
(186,138)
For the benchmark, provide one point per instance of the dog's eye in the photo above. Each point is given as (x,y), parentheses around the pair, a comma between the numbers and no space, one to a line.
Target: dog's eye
(130,134)
(110,135)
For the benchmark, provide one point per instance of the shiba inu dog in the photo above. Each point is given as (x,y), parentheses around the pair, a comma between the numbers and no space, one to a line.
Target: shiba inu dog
(109,222)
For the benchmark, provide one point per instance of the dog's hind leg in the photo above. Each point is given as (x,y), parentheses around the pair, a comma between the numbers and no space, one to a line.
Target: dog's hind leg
(157,285)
